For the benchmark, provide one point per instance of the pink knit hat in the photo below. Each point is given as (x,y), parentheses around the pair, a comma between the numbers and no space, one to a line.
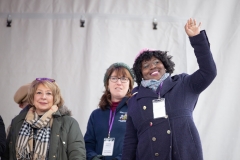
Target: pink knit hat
(144,50)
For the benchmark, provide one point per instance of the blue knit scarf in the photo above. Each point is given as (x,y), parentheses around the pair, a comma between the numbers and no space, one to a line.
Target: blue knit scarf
(152,83)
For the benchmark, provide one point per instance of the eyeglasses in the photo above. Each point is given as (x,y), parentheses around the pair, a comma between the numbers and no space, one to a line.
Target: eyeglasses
(115,79)
(148,65)
(45,79)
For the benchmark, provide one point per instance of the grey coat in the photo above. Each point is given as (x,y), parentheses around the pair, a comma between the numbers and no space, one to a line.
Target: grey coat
(66,141)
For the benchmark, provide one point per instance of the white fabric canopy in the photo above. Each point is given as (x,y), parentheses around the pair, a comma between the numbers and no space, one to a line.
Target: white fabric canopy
(46,40)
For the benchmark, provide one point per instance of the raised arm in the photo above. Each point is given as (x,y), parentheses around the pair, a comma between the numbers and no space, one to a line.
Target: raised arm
(203,77)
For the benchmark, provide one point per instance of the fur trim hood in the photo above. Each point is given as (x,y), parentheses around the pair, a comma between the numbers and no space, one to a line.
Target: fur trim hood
(64,111)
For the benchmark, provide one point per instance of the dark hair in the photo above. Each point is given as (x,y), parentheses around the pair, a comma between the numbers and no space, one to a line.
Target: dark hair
(147,55)
(121,71)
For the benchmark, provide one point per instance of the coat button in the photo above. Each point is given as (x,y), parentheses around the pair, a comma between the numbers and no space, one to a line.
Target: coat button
(144,107)
(166,116)
(154,138)
(156,154)
(57,135)
(168,131)
(151,124)
(54,156)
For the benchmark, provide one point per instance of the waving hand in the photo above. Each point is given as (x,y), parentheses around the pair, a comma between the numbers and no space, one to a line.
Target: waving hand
(191,27)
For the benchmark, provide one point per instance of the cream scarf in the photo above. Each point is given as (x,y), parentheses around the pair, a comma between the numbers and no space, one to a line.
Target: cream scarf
(24,143)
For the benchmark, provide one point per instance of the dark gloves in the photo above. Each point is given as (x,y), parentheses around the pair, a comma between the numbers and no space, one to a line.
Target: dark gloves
(98,157)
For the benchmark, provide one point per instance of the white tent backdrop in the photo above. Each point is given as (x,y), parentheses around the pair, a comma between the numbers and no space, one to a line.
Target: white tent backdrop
(46,40)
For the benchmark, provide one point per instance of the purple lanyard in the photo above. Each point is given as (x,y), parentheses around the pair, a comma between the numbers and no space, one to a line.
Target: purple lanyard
(111,119)
(160,87)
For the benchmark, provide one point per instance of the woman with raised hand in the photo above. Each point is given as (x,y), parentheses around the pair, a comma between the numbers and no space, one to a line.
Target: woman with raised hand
(160,123)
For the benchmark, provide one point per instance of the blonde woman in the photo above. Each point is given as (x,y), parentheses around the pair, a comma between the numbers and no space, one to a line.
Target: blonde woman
(46,131)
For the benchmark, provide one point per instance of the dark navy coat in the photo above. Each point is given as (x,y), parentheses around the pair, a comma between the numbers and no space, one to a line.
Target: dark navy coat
(174,137)
(97,130)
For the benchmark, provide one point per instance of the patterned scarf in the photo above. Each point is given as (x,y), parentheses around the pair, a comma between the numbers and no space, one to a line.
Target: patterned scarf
(24,145)
(152,83)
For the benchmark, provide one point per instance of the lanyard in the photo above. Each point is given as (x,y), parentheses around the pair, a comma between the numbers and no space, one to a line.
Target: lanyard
(160,86)
(111,119)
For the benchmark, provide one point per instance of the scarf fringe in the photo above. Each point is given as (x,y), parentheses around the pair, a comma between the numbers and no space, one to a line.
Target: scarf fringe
(39,157)
(22,154)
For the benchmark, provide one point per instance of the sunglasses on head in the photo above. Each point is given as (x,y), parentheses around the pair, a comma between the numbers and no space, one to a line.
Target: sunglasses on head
(45,79)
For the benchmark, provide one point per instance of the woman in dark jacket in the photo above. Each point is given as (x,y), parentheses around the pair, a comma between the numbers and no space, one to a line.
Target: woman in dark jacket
(107,124)
(46,131)
(160,123)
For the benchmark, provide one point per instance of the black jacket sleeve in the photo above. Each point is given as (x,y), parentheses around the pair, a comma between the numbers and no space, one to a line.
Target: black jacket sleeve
(2,137)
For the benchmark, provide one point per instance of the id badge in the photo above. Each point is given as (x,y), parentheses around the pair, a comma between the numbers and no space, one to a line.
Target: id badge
(159,108)
(108,146)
